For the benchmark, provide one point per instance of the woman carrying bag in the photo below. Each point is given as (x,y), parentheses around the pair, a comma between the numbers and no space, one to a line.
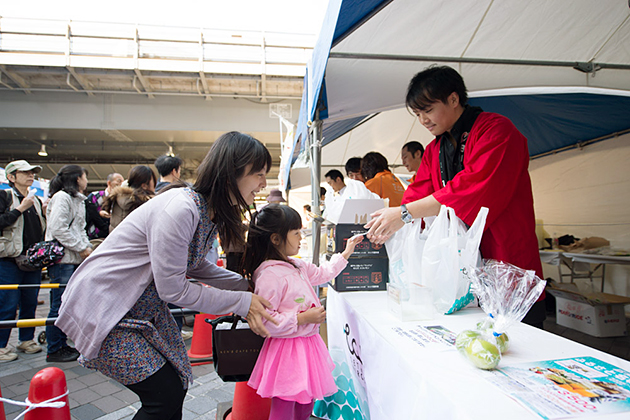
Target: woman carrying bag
(128,333)
(66,223)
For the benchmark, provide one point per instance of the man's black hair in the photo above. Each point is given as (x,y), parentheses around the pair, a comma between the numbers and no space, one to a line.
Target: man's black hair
(353,165)
(165,164)
(413,146)
(334,174)
(435,84)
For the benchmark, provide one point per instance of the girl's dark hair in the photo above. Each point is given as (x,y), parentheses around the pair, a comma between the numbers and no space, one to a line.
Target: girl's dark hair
(67,180)
(373,163)
(435,84)
(139,175)
(226,162)
(273,218)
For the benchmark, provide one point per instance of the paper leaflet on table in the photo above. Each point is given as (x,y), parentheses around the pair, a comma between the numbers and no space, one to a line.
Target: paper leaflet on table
(575,387)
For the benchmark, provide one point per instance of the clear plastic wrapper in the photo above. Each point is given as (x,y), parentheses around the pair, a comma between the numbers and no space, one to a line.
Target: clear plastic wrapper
(505,292)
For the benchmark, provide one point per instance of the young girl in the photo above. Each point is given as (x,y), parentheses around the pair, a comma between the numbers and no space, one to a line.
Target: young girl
(294,367)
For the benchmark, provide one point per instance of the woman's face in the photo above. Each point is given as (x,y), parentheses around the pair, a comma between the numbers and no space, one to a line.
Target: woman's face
(82,182)
(150,186)
(249,185)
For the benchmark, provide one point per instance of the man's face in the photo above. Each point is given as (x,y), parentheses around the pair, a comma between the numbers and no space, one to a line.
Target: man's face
(411,161)
(357,176)
(439,117)
(336,184)
(116,181)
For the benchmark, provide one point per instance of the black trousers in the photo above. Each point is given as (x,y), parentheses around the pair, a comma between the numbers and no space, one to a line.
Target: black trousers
(161,394)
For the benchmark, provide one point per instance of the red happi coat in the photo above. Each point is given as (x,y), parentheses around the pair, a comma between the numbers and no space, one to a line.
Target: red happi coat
(496,176)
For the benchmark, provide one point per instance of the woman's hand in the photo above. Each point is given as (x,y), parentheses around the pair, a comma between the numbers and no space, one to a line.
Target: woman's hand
(315,315)
(85,253)
(384,223)
(350,245)
(27,203)
(256,313)
(104,214)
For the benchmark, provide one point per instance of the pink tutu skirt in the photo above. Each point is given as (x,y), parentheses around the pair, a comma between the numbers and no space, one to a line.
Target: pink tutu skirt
(294,369)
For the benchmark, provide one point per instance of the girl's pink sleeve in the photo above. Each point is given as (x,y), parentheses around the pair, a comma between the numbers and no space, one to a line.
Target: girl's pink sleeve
(327,270)
(273,289)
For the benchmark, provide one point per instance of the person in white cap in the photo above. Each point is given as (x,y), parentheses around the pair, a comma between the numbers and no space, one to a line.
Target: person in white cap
(22,224)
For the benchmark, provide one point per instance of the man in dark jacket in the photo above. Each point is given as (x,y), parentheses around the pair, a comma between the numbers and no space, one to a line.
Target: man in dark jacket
(22,224)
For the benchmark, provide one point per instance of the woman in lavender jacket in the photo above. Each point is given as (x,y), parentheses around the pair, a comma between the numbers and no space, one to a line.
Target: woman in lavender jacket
(115,306)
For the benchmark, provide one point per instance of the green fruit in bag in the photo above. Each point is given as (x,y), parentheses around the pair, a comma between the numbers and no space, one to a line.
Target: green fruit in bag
(483,353)
(503,342)
(464,338)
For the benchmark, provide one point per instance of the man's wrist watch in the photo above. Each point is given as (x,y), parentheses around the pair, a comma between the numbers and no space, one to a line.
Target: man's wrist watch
(405,215)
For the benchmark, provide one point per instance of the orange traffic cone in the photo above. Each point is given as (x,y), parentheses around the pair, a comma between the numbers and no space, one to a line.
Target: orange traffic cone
(48,385)
(200,351)
(248,405)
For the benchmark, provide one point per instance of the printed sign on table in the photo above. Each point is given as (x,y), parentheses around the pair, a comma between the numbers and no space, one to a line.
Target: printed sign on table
(576,387)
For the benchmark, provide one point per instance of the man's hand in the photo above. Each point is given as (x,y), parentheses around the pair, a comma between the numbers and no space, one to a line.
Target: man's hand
(384,223)
(315,315)
(256,313)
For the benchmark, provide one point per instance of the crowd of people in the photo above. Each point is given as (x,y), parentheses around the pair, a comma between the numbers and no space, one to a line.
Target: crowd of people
(135,244)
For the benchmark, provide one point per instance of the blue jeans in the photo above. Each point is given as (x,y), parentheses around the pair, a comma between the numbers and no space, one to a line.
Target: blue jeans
(26,299)
(58,273)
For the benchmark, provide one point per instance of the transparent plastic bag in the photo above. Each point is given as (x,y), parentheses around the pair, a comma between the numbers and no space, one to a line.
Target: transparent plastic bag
(505,292)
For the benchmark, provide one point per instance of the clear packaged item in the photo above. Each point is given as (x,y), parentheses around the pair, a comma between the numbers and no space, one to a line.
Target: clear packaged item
(506,293)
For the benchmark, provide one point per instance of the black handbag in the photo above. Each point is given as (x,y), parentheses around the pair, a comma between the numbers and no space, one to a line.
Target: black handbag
(235,348)
(45,254)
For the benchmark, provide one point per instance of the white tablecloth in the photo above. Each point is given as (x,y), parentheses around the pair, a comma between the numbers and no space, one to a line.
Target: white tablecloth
(397,379)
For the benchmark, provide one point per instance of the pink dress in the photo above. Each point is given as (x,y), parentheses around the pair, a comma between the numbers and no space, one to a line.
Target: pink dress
(294,363)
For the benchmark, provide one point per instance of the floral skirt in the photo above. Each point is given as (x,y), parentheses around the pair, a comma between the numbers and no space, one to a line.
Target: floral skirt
(141,343)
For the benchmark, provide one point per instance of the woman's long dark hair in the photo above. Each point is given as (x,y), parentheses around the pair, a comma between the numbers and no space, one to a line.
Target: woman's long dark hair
(67,180)
(226,161)
(273,218)
(139,175)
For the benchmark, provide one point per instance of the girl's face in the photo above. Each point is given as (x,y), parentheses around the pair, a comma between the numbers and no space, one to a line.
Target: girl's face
(82,182)
(291,245)
(250,185)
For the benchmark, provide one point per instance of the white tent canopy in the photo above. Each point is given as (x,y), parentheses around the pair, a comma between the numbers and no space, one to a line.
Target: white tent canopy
(368,51)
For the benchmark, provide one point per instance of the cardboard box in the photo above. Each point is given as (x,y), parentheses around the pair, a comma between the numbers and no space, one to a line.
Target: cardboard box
(337,236)
(596,314)
(363,274)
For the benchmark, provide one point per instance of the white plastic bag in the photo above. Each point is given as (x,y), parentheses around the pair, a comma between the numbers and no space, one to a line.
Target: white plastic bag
(404,250)
(449,248)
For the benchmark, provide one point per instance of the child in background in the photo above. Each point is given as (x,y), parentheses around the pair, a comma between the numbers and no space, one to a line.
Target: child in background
(294,367)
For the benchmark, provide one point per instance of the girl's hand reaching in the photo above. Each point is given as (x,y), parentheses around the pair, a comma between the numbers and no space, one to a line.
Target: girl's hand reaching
(351,244)
(315,315)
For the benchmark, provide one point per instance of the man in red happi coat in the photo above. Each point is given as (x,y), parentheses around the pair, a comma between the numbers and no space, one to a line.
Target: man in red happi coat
(478,159)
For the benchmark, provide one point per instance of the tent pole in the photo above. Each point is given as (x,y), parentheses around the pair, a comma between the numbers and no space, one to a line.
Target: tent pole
(316,155)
